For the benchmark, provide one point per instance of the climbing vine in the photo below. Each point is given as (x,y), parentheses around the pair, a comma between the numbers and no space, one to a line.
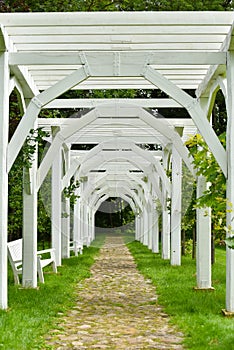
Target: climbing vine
(70,191)
(34,139)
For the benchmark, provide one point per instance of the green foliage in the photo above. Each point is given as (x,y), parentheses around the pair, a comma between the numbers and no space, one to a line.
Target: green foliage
(113,5)
(207,166)
(197,313)
(15,204)
(70,191)
(230,242)
(33,140)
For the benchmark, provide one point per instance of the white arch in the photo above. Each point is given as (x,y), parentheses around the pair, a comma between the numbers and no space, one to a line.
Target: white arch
(115,191)
(122,195)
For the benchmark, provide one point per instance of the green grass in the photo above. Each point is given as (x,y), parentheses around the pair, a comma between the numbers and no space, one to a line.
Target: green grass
(32,313)
(197,313)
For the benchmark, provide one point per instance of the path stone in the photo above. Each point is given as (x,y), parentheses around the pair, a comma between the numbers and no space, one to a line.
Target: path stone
(116,308)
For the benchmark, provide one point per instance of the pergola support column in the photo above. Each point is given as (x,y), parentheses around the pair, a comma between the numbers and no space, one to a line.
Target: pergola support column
(56,207)
(65,237)
(29,275)
(150,226)
(155,230)
(145,227)
(66,214)
(77,220)
(4,126)
(141,237)
(203,250)
(230,182)
(176,208)
(165,231)
(137,227)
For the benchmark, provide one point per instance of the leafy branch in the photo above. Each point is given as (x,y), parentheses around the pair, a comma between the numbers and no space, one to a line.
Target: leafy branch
(70,191)
(207,166)
(34,139)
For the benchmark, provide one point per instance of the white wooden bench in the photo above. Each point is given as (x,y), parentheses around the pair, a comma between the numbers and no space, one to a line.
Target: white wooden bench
(15,255)
(76,247)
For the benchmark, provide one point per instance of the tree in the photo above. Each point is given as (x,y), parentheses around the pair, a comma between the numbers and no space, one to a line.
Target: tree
(215,196)
(113,5)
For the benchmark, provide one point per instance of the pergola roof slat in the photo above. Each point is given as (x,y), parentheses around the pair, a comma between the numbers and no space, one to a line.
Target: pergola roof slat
(164,18)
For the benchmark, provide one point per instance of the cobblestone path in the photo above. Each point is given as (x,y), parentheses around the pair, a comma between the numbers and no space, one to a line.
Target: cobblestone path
(116,309)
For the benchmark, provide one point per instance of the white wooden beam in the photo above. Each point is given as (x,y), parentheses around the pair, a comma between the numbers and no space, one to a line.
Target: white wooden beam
(58,141)
(154,18)
(212,74)
(14,84)
(196,113)
(171,135)
(3,43)
(34,108)
(155,58)
(91,103)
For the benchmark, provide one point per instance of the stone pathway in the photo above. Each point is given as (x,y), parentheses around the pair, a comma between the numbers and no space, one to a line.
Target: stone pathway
(116,309)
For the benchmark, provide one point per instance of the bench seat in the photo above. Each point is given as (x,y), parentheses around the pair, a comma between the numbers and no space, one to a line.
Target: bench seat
(15,255)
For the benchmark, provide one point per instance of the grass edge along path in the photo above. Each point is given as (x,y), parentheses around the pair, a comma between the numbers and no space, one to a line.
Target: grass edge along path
(197,313)
(33,313)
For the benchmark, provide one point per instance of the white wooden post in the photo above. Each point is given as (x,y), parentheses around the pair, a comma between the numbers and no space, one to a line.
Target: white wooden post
(141,238)
(230,181)
(203,248)
(77,220)
(4,126)
(137,227)
(145,225)
(165,234)
(88,224)
(92,224)
(165,227)
(29,275)
(85,224)
(176,208)
(150,226)
(65,236)
(155,229)
(56,209)
(82,235)
(66,215)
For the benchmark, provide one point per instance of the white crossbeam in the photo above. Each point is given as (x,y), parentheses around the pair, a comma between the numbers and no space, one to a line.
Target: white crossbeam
(57,142)
(34,108)
(196,113)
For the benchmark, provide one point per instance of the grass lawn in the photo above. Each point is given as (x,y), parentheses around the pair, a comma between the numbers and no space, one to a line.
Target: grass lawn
(33,312)
(197,313)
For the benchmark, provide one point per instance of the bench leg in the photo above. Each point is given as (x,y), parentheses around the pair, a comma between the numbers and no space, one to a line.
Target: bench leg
(16,279)
(54,266)
(39,270)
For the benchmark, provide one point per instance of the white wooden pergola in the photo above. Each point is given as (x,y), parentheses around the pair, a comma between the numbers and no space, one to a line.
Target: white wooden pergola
(43,55)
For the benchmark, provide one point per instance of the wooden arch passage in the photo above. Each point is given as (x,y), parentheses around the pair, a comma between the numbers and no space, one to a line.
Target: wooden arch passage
(43,55)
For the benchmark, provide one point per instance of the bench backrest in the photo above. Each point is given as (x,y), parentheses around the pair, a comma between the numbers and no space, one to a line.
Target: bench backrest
(15,249)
